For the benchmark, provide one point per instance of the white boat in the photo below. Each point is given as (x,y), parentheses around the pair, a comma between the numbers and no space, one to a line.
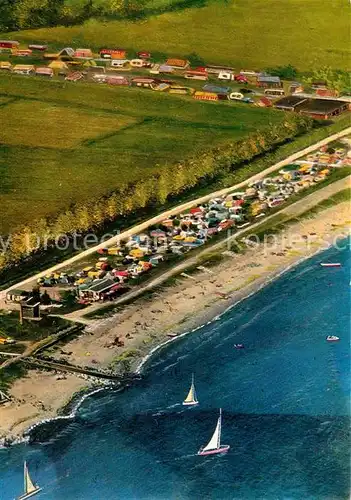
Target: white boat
(332,338)
(330,264)
(191,399)
(30,489)
(214,446)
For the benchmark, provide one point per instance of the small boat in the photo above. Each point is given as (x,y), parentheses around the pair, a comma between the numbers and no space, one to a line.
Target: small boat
(214,446)
(332,338)
(30,489)
(191,399)
(330,264)
(239,346)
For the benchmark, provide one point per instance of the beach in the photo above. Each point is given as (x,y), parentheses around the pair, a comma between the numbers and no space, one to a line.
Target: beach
(192,300)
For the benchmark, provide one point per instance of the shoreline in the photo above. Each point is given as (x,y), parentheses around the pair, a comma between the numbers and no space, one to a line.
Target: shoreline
(172,311)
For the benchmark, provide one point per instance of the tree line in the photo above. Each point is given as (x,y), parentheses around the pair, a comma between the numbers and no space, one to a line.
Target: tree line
(24,14)
(156,189)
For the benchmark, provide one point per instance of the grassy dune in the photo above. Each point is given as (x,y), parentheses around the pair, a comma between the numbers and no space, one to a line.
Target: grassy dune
(243,33)
(62,142)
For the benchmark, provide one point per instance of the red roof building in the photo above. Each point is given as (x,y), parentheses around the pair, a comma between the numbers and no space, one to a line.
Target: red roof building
(264,102)
(113,53)
(178,63)
(8,44)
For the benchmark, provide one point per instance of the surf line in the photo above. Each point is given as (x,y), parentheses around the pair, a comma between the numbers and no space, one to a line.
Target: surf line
(70,416)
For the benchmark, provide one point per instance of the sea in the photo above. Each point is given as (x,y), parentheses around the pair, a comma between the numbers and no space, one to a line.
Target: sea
(285,400)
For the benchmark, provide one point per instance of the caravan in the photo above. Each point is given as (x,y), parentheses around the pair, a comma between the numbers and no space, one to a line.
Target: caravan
(226,75)
(236,96)
(120,63)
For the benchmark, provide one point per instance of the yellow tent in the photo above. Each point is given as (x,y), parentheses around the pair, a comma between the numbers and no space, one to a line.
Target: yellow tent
(113,250)
(137,253)
(324,172)
(58,65)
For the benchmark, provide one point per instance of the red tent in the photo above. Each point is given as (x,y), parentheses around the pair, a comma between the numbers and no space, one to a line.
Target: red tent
(124,274)
(238,203)
(196,210)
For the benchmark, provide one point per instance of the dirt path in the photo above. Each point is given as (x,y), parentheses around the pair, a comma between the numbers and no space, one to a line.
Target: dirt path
(185,206)
(292,210)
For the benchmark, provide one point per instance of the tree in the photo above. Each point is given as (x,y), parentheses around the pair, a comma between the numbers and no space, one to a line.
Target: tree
(288,72)
(335,79)
(45,298)
(7,15)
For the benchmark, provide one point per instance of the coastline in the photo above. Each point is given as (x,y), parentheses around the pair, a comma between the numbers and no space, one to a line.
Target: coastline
(145,326)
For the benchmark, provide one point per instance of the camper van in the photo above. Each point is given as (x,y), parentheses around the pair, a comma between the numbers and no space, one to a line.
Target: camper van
(137,63)
(24,69)
(119,63)
(226,75)
(99,77)
(196,75)
(274,92)
(236,96)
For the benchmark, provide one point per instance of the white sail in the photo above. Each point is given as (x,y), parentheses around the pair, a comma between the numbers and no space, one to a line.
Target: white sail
(191,397)
(215,441)
(28,485)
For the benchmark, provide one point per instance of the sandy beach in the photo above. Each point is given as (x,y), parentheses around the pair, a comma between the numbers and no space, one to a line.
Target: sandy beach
(192,300)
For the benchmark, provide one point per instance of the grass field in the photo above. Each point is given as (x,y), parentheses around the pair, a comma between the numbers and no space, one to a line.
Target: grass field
(62,142)
(243,33)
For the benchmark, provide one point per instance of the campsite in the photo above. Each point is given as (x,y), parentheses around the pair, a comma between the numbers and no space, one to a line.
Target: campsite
(123,127)
(115,270)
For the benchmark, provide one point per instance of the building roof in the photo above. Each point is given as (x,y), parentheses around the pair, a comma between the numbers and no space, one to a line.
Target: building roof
(289,102)
(215,88)
(177,63)
(321,106)
(44,70)
(101,285)
(265,101)
(10,41)
(25,67)
(87,52)
(268,79)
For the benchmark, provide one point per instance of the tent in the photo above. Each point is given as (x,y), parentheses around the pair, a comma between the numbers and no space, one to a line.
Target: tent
(3,397)
(57,65)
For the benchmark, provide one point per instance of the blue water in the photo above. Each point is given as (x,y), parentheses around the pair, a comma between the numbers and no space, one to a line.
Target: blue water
(285,400)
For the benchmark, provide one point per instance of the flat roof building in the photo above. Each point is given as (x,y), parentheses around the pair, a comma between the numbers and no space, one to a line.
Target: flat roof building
(322,109)
(290,103)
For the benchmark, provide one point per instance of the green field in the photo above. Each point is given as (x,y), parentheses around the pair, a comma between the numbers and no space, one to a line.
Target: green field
(62,143)
(253,34)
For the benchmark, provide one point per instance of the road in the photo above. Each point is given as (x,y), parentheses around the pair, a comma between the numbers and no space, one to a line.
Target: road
(174,211)
(292,210)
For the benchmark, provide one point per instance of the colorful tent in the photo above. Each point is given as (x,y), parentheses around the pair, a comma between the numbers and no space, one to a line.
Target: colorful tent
(55,65)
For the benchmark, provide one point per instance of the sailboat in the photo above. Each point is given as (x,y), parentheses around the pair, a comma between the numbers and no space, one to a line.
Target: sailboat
(214,446)
(191,399)
(30,489)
